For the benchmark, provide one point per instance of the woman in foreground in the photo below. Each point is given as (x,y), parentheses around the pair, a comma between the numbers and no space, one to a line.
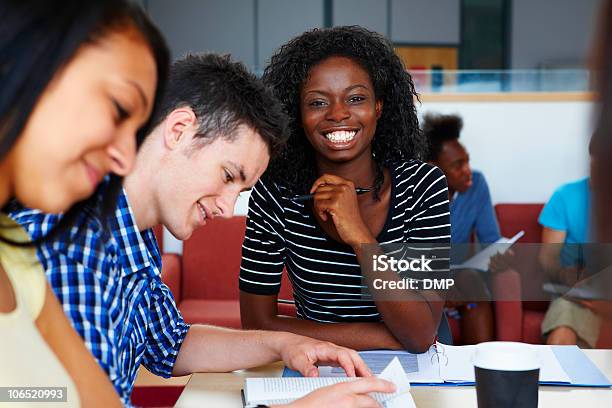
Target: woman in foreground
(79,81)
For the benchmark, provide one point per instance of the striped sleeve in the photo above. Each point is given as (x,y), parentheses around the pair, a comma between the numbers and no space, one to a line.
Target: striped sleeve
(263,248)
(430,219)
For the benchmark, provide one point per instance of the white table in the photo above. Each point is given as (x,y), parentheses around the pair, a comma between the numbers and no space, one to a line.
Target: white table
(223,390)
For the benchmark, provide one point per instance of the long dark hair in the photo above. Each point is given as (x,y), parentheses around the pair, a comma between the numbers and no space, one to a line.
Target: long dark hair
(38,38)
(397,133)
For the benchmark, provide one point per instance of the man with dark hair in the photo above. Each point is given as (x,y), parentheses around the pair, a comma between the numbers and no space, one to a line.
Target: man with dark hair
(471,213)
(214,134)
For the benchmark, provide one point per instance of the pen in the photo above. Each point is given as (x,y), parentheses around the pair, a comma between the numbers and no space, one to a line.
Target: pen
(306,197)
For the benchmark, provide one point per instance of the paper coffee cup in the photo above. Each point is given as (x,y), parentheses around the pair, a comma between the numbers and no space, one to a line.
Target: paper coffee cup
(507,375)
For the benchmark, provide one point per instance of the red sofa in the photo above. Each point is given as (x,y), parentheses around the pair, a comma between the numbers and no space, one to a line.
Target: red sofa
(204,280)
(521,321)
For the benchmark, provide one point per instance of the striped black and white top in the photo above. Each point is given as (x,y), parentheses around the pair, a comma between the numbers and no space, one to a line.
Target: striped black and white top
(325,274)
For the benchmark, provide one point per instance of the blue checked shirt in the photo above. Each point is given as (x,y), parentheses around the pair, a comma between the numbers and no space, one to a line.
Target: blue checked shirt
(111,290)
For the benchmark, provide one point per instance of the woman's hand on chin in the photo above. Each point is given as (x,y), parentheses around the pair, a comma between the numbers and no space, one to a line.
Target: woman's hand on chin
(335,197)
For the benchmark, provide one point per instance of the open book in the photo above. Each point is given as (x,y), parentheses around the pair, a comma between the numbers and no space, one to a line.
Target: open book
(272,391)
(480,261)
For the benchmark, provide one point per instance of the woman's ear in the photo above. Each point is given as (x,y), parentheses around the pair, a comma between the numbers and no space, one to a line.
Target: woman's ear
(378,107)
(178,123)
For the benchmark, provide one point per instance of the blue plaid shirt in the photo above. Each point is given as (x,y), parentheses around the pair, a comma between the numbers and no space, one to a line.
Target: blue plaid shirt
(111,289)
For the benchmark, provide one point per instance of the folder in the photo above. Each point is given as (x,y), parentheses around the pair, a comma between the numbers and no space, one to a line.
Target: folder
(562,366)
(579,368)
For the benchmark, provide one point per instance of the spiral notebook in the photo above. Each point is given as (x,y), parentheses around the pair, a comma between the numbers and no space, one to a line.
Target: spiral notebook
(452,365)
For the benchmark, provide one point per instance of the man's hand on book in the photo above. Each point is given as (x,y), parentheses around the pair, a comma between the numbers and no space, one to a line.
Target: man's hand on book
(351,394)
(303,354)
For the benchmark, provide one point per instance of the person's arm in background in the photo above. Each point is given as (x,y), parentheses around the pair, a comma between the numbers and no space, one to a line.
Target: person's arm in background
(260,279)
(549,257)
(553,219)
(94,387)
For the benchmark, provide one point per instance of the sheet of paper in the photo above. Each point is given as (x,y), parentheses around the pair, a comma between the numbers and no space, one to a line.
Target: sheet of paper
(481,260)
(457,365)
(596,287)
(402,397)
(460,367)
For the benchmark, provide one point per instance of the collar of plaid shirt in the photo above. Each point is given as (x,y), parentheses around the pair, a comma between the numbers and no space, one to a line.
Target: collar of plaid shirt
(137,250)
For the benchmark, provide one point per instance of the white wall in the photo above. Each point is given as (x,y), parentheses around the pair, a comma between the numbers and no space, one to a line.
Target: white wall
(526,149)
(552,31)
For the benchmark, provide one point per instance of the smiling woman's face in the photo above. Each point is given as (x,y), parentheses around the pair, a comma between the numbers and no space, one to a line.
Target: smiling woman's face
(339,109)
(84,123)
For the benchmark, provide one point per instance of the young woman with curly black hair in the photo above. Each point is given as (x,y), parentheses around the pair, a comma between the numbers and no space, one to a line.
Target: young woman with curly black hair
(353,124)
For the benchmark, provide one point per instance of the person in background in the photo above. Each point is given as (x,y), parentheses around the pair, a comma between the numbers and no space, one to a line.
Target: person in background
(353,123)
(213,135)
(472,215)
(566,222)
(79,80)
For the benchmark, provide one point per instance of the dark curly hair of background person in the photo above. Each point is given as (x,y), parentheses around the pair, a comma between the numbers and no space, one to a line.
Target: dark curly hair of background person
(397,134)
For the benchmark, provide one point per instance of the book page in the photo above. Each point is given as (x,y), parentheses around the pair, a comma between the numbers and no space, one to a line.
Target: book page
(284,390)
(265,389)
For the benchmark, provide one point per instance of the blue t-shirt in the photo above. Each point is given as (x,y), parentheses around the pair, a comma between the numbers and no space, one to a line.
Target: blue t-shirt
(568,210)
(472,211)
